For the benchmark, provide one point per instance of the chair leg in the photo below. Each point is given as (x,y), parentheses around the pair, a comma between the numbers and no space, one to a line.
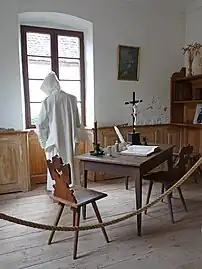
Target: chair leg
(182,198)
(149,193)
(127,180)
(97,213)
(59,214)
(76,222)
(170,206)
(74,217)
(162,190)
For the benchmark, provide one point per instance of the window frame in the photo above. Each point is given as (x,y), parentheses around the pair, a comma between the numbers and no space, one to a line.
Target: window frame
(55,65)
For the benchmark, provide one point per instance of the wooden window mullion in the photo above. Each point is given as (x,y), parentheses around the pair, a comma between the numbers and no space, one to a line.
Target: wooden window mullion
(82,73)
(54,53)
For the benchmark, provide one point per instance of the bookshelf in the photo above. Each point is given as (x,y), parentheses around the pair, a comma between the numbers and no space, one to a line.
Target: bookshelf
(186,93)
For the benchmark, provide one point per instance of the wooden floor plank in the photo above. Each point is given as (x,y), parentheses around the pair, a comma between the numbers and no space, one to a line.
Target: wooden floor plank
(23,248)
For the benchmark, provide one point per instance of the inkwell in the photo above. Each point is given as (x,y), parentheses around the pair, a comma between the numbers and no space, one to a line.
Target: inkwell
(96,146)
(134,137)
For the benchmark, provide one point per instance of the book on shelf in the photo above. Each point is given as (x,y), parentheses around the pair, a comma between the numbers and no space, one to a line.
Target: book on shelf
(182,91)
(140,150)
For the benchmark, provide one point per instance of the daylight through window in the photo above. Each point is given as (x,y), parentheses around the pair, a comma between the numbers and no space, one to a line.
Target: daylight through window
(46,49)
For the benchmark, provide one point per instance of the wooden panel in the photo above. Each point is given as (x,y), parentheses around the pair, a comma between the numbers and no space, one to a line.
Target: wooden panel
(147,132)
(37,157)
(175,137)
(14,172)
(38,168)
(194,139)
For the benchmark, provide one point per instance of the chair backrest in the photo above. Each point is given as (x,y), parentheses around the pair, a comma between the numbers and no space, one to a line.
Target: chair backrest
(61,174)
(183,158)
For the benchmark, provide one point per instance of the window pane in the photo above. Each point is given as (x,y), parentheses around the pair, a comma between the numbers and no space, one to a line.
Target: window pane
(35,93)
(35,109)
(38,67)
(72,87)
(38,44)
(69,69)
(68,46)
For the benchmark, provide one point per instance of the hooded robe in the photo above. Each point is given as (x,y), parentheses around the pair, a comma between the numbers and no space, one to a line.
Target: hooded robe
(58,124)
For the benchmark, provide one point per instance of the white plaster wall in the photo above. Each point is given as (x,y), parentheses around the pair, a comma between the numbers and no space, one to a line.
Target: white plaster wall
(155,26)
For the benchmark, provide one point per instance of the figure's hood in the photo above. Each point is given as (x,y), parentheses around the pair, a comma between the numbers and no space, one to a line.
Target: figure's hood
(50,83)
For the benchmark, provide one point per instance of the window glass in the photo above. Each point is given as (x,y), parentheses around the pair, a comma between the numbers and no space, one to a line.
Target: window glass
(69,69)
(38,44)
(68,46)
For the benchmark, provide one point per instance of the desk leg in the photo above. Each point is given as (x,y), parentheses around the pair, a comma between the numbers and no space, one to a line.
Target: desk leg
(170,165)
(138,191)
(170,161)
(85,186)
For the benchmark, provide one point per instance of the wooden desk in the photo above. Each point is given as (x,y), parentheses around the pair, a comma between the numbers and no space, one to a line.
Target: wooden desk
(132,166)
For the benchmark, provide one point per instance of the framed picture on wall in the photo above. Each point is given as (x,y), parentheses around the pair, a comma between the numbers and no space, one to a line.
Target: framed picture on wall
(128,63)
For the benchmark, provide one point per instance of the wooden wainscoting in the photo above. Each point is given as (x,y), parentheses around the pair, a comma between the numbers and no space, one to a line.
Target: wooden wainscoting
(158,134)
(14,162)
(38,168)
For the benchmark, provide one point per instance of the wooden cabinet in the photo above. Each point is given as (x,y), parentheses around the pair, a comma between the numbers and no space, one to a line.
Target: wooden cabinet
(14,162)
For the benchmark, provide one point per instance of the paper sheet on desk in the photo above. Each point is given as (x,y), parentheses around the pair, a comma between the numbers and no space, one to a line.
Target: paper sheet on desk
(140,150)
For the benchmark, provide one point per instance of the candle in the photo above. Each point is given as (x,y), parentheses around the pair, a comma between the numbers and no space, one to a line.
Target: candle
(95,132)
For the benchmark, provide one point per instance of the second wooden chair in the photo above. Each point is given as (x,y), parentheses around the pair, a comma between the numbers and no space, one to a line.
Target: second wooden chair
(169,178)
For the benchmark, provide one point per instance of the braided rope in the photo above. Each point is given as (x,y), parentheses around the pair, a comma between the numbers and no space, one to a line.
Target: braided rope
(108,223)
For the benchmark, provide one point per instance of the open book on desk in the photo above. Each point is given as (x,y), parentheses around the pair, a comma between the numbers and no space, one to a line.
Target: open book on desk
(140,150)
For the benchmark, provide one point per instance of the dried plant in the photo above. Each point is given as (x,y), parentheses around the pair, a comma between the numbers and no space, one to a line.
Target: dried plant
(192,50)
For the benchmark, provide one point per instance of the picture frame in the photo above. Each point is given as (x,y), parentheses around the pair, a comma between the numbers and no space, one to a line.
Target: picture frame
(198,114)
(128,63)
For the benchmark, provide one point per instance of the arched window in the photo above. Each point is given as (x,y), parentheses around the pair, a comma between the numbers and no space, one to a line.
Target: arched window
(46,49)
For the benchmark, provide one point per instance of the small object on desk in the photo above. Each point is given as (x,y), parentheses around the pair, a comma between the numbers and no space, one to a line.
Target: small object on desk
(109,149)
(142,150)
(144,140)
(97,150)
(117,146)
(134,138)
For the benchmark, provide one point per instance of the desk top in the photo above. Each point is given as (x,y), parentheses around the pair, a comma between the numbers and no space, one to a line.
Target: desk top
(126,160)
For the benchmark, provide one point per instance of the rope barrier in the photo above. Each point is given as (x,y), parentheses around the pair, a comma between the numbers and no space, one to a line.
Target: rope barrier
(107,223)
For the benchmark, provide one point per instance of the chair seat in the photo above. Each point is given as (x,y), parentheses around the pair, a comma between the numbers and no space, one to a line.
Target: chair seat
(164,176)
(86,196)
(83,197)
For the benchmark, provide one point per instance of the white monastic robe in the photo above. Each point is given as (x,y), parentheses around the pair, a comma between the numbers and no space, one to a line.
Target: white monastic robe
(58,124)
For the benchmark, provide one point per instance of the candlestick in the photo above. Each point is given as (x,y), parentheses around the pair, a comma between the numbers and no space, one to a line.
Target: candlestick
(95,133)
(97,150)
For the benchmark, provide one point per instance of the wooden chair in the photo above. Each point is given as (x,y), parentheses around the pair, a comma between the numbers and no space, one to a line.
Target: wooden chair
(168,178)
(75,198)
